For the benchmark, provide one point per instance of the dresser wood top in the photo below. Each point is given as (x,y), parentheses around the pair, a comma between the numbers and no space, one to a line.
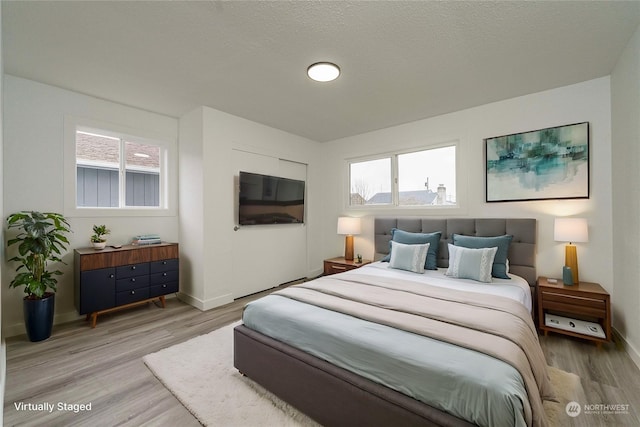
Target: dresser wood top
(91,251)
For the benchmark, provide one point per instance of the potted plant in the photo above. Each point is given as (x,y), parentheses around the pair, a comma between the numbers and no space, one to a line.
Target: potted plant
(97,240)
(41,240)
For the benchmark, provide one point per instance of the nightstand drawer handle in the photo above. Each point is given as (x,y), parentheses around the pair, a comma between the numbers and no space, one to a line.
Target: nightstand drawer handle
(338,267)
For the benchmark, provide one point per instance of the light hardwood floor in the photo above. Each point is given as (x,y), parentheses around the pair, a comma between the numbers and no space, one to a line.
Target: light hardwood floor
(104,366)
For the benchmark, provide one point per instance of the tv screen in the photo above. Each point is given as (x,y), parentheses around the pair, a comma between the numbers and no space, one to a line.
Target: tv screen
(266,199)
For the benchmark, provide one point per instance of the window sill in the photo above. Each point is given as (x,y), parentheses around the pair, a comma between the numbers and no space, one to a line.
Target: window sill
(118,212)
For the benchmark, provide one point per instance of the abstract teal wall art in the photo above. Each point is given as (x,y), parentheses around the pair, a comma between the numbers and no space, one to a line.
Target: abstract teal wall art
(551,163)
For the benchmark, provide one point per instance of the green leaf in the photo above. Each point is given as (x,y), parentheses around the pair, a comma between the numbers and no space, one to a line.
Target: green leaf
(41,240)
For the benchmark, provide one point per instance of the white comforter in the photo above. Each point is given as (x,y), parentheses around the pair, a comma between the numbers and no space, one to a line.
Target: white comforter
(515,288)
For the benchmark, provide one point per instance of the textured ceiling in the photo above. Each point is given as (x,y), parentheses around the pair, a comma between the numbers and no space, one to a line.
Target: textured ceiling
(401,61)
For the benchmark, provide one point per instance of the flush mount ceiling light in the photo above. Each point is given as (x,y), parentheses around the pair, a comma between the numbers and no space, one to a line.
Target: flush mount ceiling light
(323,71)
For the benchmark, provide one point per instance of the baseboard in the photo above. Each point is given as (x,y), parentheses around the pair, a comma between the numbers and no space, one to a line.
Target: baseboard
(18,328)
(633,352)
(205,305)
(3,374)
(315,273)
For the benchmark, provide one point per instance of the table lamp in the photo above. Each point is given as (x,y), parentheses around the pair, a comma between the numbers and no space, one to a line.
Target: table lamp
(349,227)
(571,230)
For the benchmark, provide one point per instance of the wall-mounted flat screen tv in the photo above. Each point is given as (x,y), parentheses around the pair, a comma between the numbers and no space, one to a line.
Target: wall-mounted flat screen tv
(266,199)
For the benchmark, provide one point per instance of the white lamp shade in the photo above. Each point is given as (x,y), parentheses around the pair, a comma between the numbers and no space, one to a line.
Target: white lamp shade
(348,225)
(570,230)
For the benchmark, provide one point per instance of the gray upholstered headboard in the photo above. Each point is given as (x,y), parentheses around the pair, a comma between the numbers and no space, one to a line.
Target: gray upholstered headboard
(522,259)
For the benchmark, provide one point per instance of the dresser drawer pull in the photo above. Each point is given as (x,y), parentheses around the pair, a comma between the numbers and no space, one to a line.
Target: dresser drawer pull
(133,279)
(111,276)
(133,267)
(338,267)
(164,262)
(164,286)
(133,292)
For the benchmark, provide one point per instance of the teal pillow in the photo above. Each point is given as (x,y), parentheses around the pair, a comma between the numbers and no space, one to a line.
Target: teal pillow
(499,268)
(408,238)
(408,257)
(466,263)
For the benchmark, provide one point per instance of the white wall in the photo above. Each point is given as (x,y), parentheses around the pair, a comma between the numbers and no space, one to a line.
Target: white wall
(3,348)
(625,111)
(208,139)
(588,101)
(34,116)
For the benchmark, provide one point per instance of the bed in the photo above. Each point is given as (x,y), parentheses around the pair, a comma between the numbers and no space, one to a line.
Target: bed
(345,366)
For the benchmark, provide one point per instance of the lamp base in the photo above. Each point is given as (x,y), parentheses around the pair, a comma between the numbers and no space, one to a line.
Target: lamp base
(571,260)
(348,247)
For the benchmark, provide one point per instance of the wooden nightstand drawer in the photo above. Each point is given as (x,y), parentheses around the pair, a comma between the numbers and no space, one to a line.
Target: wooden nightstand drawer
(331,268)
(340,265)
(594,307)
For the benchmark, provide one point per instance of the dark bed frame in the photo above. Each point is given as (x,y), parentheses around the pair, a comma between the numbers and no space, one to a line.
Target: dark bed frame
(336,397)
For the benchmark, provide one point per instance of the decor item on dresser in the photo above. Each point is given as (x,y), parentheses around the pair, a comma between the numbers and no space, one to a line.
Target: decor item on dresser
(572,230)
(348,226)
(551,163)
(146,239)
(113,279)
(98,241)
(41,240)
(343,363)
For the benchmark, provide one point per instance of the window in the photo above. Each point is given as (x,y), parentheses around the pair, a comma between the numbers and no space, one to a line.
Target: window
(371,182)
(116,171)
(417,178)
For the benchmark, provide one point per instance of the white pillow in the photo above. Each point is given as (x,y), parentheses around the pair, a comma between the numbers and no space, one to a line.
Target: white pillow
(408,257)
(467,263)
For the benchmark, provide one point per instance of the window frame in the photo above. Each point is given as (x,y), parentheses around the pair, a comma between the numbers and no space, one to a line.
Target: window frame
(395,185)
(167,170)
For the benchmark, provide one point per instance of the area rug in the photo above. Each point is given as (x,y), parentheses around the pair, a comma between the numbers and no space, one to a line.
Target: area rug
(200,373)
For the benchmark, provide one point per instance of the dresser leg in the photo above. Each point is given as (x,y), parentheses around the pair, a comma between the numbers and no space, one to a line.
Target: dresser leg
(162,301)
(94,319)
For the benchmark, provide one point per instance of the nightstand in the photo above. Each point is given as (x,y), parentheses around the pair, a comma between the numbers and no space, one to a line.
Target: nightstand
(586,301)
(340,265)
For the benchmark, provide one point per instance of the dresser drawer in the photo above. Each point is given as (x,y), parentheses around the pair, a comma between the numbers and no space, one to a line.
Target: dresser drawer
(164,277)
(132,283)
(164,265)
(165,288)
(132,270)
(132,295)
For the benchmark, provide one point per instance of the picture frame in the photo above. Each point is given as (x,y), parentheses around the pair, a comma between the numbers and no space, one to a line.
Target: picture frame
(543,164)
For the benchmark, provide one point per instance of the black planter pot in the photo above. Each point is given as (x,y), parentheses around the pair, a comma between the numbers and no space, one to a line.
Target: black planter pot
(38,316)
